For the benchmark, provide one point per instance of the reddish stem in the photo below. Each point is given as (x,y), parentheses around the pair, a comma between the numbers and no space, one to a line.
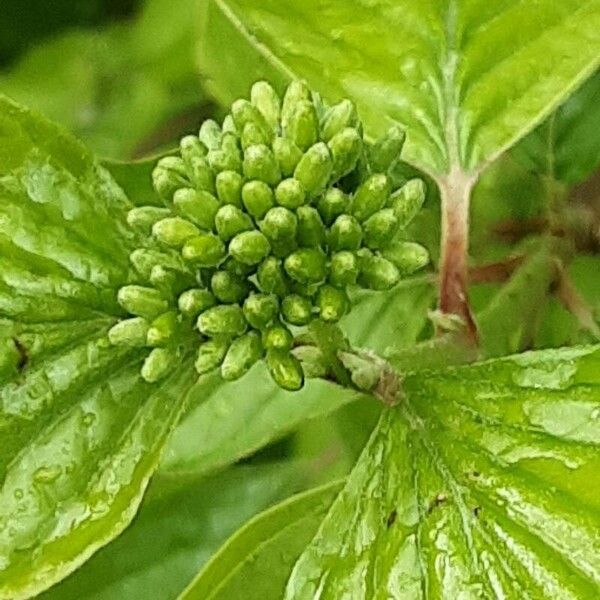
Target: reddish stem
(453,294)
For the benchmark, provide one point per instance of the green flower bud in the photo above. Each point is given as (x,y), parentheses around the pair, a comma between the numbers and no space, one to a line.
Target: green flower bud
(332,303)
(244,113)
(249,247)
(204,250)
(162,329)
(272,278)
(229,288)
(199,207)
(279,226)
(314,169)
(345,234)
(261,310)
(174,231)
(345,148)
(386,150)
(229,125)
(201,175)
(191,147)
(224,160)
(224,320)
(407,256)
(210,134)
(332,204)
(290,193)
(266,100)
(211,355)
(306,265)
(230,221)
(242,354)
(169,281)
(253,135)
(408,201)
(338,117)
(129,332)
(237,268)
(295,92)
(343,270)
(169,174)
(158,364)
(260,163)
(288,155)
(311,231)
(141,301)
(377,273)
(257,197)
(145,259)
(302,127)
(285,369)
(143,217)
(296,309)
(194,301)
(380,228)
(229,188)
(277,337)
(371,196)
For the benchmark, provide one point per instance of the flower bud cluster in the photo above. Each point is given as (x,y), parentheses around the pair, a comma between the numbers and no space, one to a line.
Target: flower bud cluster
(268,221)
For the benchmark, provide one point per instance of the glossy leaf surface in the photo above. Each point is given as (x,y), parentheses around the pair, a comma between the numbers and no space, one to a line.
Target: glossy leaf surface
(484,483)
(81,433)
(466,78)
(254,563)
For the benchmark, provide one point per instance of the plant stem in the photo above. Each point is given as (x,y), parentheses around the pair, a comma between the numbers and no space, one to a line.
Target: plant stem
(453,291)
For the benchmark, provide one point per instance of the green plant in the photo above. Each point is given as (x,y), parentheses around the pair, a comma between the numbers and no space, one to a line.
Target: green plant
(477,476)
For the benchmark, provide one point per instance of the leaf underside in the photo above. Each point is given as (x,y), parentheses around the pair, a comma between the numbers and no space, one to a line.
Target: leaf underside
(485,483)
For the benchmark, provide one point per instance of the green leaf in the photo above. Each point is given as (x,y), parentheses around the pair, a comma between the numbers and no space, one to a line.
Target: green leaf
(115,86)
(231,423)
(256,561)
(81,432)
(564,147)
(190,517)
(466,79)
(483,483)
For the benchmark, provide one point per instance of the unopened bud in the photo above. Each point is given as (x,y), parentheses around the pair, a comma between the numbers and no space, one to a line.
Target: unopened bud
(229,187)
(377,273)
(261,310)
(191,147)
(211,355)
(194,301)
(129,332)
(338,117)
(386,150)
(204,250)
(253,135)
(174,231)
(210,134)
(343,269)
(249,247)
(296,309)
(202,175)
(285,369)
(345,234)
(279,226)
(224,320)
(266,100)
(229,288)
(169,174)
(332,204)
(244,113)
(162,329)
(302,126)
(380,228)
(258,198)
(223,160)
(199,207)
(241,355)
(314,169)
(230,220)
(345,148)
(272,278)
(141,301)
(277,337)
(290,194)
(311,231)
(371,196)
(260,163)
(306,265)
(332,303)
(408,200)
(143,217)
(158,364)
(288,155)
(407,256)
(295,93)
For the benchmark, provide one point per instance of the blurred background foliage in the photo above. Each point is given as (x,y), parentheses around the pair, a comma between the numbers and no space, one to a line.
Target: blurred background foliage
(123,76)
